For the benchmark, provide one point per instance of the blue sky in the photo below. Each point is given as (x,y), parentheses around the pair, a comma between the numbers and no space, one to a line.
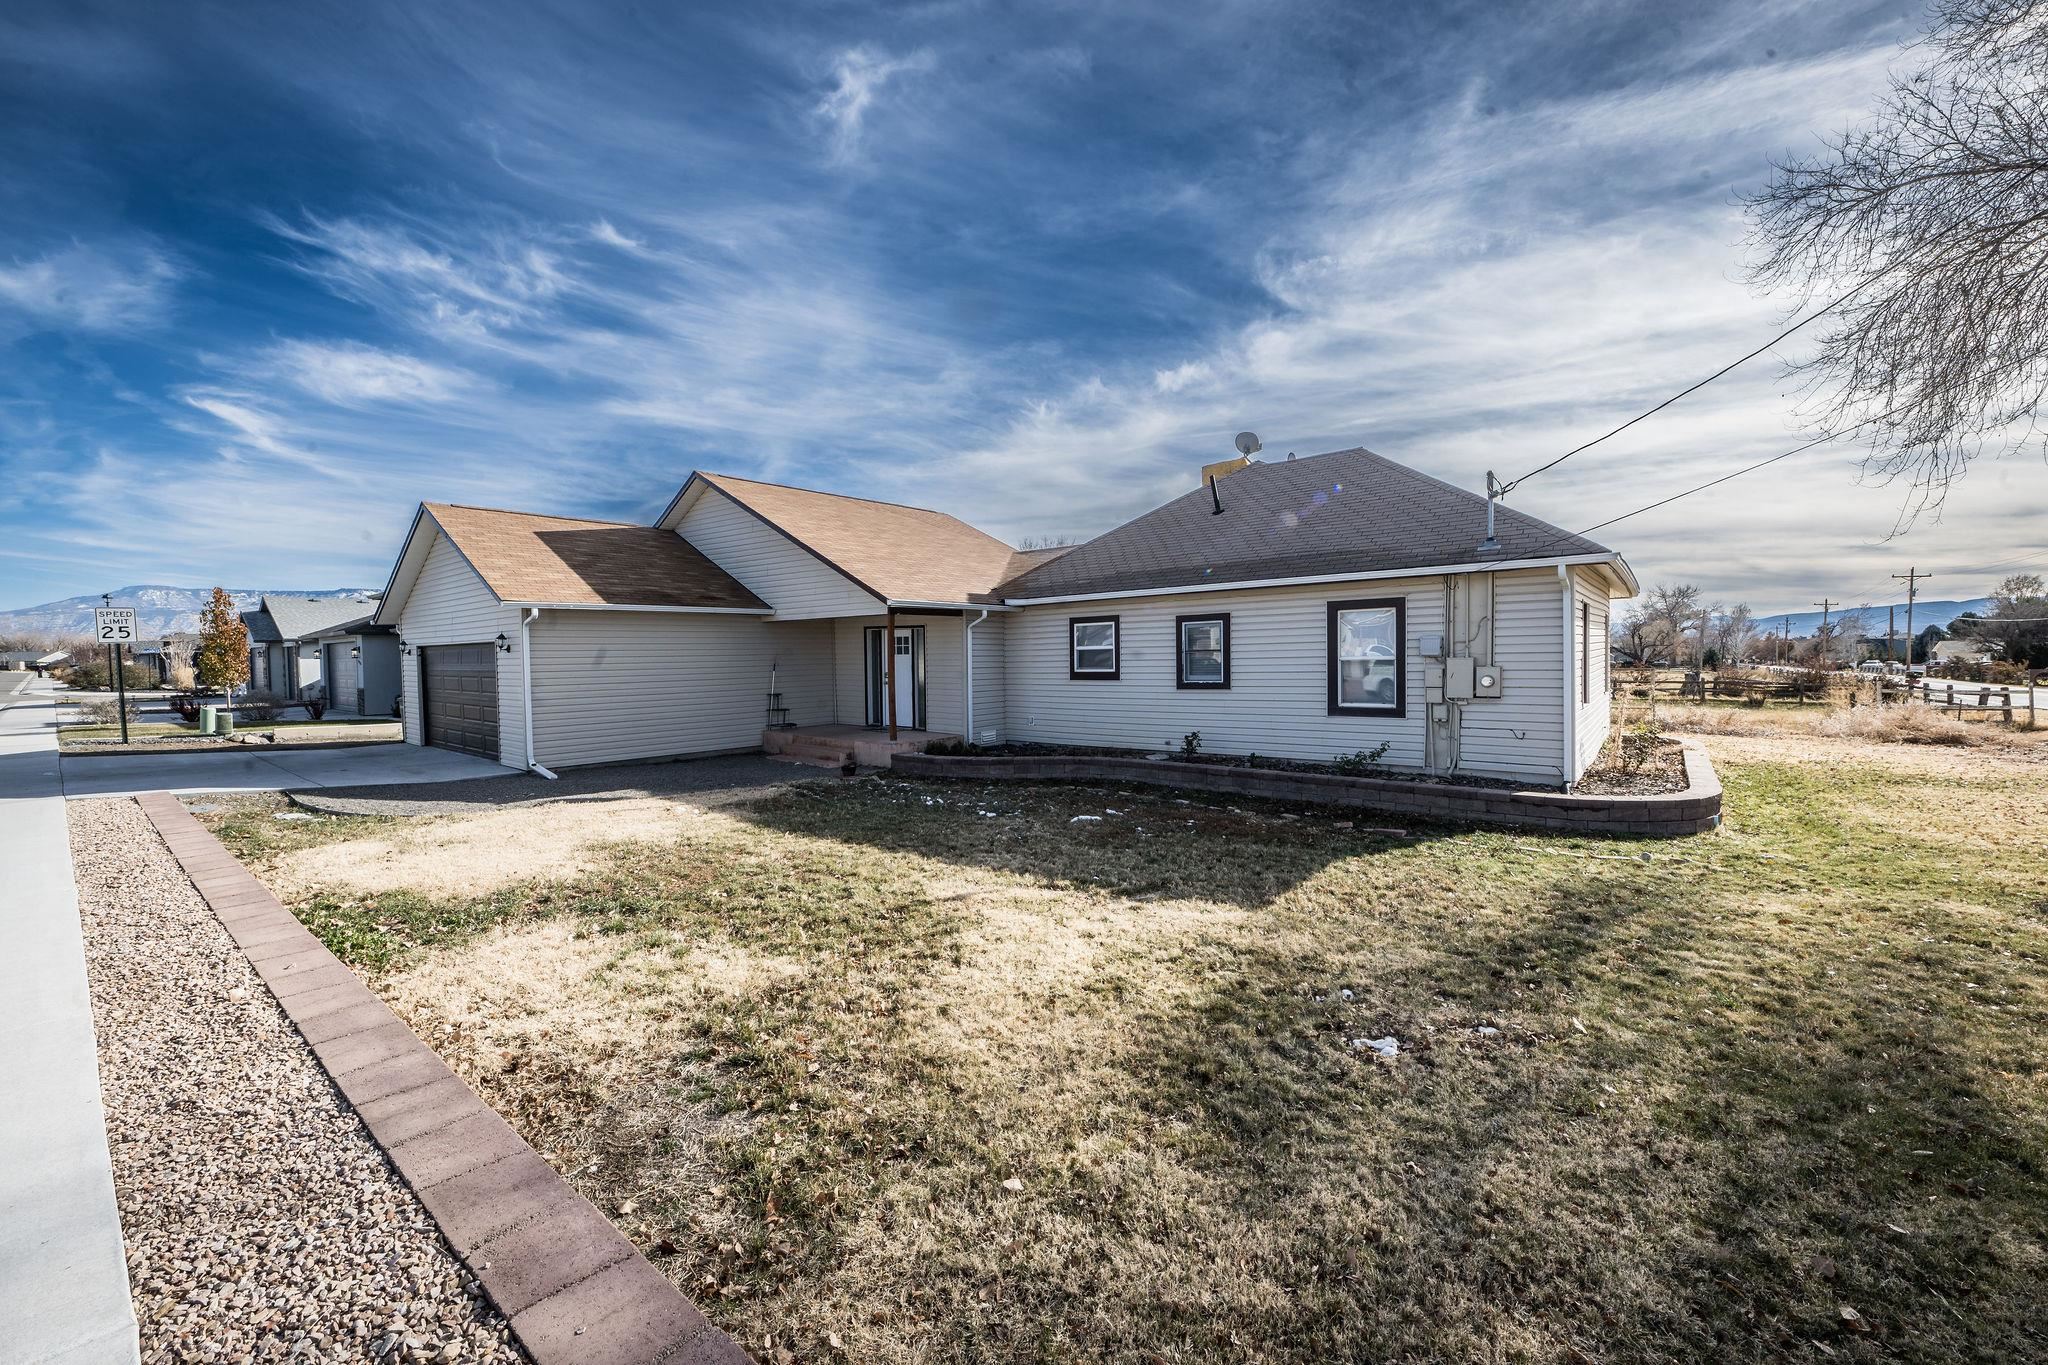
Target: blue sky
(271,274)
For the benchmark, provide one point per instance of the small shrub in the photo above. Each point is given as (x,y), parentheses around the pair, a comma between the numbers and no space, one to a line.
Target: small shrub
(259,709)
(316,706)
(107,711)
(1190,746)
(947,747)
(1363,763)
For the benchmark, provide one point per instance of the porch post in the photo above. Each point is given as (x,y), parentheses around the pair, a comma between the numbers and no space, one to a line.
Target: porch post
(889,669)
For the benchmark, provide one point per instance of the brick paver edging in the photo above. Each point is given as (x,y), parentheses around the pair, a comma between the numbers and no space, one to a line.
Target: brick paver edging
(1696,810)
(574,1289)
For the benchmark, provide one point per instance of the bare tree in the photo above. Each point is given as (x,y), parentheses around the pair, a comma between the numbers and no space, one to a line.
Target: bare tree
(1734,634)
(1052,542)
(1927,232)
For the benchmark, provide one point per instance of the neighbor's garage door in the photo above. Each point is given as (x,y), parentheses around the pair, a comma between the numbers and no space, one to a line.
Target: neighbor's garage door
(461,702)
(344,680)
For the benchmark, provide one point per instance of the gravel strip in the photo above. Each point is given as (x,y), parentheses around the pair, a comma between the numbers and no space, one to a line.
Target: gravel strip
(683,778)
(262,1221)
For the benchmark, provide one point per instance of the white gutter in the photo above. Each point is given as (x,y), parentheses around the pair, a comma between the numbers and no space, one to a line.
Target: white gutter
(967,634)
(526,686)
(984,608)
(1420,571)
(613,606)
(1571,709)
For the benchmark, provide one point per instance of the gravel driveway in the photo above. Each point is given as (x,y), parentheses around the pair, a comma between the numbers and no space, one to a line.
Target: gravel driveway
(262,1222)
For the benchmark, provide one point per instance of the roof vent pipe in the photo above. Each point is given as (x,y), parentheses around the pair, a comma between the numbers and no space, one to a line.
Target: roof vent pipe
(1490,545)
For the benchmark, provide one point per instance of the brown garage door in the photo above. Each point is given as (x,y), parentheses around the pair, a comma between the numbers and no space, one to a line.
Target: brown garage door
(460,683)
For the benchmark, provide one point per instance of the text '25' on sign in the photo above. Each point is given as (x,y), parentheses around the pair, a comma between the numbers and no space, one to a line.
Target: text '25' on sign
(114,625)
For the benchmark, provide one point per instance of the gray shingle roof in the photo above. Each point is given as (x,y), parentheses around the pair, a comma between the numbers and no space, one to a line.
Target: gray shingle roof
(262,630)
(1349,511)
(301,618)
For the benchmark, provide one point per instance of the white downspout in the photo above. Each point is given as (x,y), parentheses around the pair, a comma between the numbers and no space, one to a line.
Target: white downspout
(1570,694)
(967,635)
(526,686)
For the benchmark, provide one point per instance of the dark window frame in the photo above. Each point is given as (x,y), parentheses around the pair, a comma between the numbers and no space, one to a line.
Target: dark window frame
(1180,657)
(1399,710)
(1116,647)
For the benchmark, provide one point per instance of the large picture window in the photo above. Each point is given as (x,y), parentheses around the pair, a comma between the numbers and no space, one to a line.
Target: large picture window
(1367,658)
(1202,651)
(1093,650)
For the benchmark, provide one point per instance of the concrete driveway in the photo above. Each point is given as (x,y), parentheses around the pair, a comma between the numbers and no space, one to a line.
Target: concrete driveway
(253,770)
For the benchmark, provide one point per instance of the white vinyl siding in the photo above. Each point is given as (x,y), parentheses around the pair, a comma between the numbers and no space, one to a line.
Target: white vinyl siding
(991,696)
(789,578)
(1521,733)
(1278,700)
(610,686)
(449,605)
(944,670)
(1590,594)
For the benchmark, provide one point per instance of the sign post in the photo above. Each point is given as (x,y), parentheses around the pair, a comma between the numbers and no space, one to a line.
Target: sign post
(115,627)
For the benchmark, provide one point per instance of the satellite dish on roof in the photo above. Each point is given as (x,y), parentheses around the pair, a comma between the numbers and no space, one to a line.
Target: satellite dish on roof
(1247,443)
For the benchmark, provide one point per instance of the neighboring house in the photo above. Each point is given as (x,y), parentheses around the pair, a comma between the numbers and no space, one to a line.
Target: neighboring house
(285,649)
(1335,604)
(1960,650)
(359,663)
(153,655)
(36,661)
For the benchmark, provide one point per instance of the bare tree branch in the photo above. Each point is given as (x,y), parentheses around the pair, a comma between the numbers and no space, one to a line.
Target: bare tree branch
(1934,219)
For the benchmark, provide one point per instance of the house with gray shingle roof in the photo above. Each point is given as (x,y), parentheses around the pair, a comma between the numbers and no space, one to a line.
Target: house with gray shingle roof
(1301,609)
(287,657)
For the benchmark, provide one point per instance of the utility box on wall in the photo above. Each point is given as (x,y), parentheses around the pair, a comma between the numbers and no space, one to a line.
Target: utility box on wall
(1486,681)
(1458,679)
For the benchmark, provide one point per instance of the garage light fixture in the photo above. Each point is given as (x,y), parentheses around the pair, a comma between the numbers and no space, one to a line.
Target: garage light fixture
(504,645)
(355,651)
(405,649)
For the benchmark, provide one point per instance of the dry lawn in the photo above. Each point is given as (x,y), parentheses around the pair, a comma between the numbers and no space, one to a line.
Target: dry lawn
(935,1073)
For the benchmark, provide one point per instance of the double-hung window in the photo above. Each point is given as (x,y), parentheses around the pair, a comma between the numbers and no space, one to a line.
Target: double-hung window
(1202,651)
(1093,650)
(1368,657)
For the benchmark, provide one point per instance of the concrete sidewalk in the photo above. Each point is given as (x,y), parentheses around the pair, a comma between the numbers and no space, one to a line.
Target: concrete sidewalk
(253,769)
(63,1273)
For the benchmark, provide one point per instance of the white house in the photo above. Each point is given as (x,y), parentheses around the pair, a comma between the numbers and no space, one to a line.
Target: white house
(1302,609)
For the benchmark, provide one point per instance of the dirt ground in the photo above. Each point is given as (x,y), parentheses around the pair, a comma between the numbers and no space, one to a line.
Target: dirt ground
(927,1071)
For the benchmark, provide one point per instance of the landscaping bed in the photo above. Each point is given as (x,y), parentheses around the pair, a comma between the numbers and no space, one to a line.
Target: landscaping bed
(899,1069)
(165,738)
(1693,808)
(261,1220)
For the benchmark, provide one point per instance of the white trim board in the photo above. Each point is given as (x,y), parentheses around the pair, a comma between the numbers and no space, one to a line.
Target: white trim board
(1418,571)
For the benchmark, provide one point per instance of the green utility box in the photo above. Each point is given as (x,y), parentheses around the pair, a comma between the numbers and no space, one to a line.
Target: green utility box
(206,719)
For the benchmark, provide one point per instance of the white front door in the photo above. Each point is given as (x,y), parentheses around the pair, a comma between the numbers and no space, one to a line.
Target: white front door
(903,667)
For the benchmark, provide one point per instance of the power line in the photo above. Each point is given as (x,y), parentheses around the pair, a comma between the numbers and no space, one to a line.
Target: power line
(1712,483)
(1682,393)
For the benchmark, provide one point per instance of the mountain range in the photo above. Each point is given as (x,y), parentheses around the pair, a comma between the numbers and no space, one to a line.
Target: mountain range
(159,609)
(1926,612)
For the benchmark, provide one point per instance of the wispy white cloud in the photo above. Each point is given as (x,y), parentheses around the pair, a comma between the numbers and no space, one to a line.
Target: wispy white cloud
(858,77)
(352,373)
(90,288)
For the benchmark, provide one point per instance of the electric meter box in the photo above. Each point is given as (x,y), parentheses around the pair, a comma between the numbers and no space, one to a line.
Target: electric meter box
(1486,681)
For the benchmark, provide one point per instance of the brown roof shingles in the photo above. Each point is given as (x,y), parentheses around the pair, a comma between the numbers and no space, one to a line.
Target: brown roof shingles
(524,557)
(900,554)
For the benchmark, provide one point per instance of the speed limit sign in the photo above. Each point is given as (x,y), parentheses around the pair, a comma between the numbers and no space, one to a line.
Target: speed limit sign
(114,625)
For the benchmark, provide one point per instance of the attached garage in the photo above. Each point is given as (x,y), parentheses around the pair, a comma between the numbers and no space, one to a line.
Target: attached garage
(344,679)
(633,643)
(459,697)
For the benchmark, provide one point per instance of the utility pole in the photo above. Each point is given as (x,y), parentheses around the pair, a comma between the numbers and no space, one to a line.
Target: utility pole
(1826,641)
(1785,636)
(1911,577)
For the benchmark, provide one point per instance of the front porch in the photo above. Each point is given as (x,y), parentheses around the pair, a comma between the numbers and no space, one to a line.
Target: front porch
(835,746)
